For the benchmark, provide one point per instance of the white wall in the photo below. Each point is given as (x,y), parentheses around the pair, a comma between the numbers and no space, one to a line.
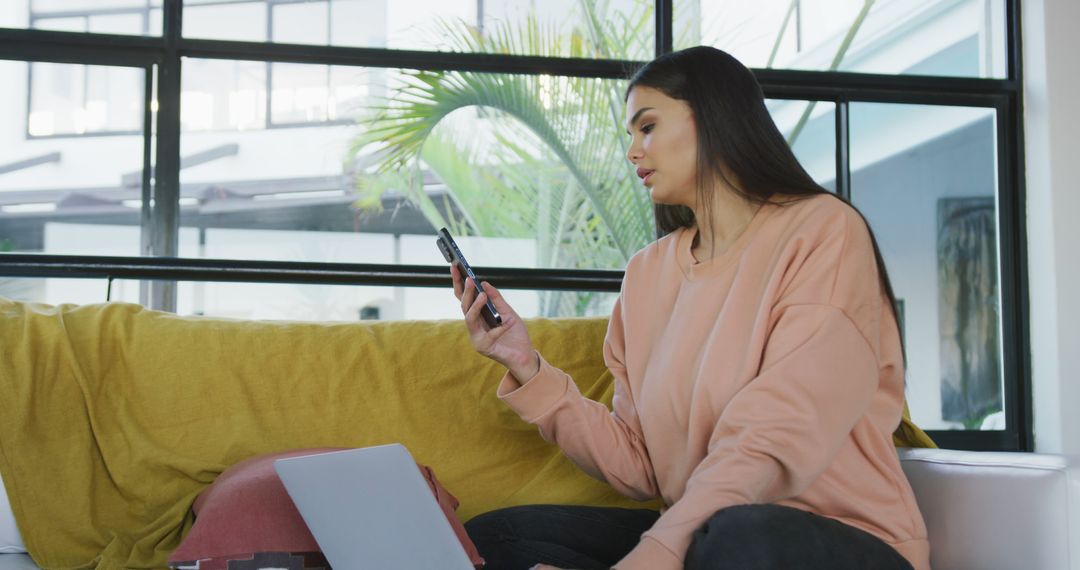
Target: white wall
(1052,136)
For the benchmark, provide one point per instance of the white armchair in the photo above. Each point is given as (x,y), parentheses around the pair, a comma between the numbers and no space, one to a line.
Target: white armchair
(998,510)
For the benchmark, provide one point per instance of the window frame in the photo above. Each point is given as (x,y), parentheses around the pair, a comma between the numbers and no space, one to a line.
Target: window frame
(161,57)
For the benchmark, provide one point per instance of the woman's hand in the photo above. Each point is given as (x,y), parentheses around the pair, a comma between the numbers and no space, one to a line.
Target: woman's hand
(507,344)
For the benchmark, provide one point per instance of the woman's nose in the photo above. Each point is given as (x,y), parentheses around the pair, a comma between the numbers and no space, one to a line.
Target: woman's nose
(633,154)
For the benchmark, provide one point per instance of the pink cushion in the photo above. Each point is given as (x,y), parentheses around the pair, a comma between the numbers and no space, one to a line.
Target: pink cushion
(247,515)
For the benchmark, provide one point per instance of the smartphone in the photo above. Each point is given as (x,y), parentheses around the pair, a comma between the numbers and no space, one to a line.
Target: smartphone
(452,253)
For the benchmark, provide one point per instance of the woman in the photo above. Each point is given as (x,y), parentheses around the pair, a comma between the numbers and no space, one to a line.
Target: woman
(758,364)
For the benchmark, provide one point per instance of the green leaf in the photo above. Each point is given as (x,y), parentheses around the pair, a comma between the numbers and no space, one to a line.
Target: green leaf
(540,156)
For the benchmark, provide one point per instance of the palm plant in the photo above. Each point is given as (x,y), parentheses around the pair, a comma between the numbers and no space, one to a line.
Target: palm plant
(552,168)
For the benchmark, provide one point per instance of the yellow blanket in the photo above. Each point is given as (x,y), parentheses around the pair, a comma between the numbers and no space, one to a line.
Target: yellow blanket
(113,418)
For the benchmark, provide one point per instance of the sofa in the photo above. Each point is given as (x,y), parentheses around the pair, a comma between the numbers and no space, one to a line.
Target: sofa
(113,418)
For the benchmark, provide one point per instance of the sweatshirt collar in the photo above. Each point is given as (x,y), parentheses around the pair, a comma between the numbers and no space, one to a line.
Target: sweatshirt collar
(694,269)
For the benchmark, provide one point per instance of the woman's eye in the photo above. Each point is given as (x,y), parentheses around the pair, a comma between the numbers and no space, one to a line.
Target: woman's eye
(647,128)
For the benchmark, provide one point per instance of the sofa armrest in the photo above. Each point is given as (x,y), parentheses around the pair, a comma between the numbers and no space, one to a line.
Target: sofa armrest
(991,510)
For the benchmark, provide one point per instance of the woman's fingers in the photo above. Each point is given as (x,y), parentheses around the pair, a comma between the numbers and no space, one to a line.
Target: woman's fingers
(494,333)
(497,299)
(473,313)
(455,276)
(468,296)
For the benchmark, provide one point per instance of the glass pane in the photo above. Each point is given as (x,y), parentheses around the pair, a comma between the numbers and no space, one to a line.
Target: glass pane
(925,37)
(73,5)
(130,23)
(337,192)
(306,23)
(244,21)
(350,88)
(70,99)
(925,177)
(70,194)
(156,20)
(300,93)
(222,95)
(22,288)
(624,30)
(57,99)
(15,14)
(303,94)
(114,99)
(810,129)
(98,16)
(288,301)
(346,303)
(57,291)
(75,24)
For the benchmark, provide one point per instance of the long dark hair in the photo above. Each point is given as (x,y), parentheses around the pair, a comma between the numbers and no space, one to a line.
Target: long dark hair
(736,136)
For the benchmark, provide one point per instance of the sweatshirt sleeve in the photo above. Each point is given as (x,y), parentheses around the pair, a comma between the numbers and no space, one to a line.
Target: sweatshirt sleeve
(606,444)
(818,376)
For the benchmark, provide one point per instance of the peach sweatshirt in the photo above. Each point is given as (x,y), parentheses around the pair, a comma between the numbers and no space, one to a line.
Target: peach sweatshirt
(771,373)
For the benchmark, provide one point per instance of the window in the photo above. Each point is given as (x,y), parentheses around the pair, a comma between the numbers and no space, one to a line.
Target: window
(336,135)
(71,196)
(478,157)
(124,17)
(925,178)
(71,100)
(963,38)
(560,27)
(810,129)
(83,99)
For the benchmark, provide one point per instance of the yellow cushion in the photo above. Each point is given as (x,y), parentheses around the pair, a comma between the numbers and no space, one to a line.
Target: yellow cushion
(115,417)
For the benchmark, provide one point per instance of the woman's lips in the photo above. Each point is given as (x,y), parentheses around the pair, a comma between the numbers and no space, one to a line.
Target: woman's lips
(645,174)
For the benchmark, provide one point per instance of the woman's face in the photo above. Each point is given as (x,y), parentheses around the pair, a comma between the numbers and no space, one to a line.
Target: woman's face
(663,146)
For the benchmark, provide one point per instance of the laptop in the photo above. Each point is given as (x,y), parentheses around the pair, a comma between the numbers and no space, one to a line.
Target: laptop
(371,508)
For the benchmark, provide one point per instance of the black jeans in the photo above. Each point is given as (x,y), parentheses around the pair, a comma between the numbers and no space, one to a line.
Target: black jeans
(748,537)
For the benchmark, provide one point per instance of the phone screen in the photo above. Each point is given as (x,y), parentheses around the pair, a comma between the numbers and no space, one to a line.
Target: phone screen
(453,255)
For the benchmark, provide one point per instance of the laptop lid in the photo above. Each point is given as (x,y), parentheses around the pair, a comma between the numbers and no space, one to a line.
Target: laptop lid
(371,508)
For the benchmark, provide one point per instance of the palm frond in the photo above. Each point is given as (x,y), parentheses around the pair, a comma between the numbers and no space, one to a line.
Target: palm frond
(552,167)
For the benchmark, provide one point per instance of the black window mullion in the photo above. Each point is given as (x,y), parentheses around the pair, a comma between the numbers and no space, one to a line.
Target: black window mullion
(146,191)
(145,223)
(330,40)
(1012,262)
(1015,298)
(843,150)
(1012,40)
(299,272)
(268,120)
(665,14)
(974,440)
(401,58)
(165,212)
(79,48)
